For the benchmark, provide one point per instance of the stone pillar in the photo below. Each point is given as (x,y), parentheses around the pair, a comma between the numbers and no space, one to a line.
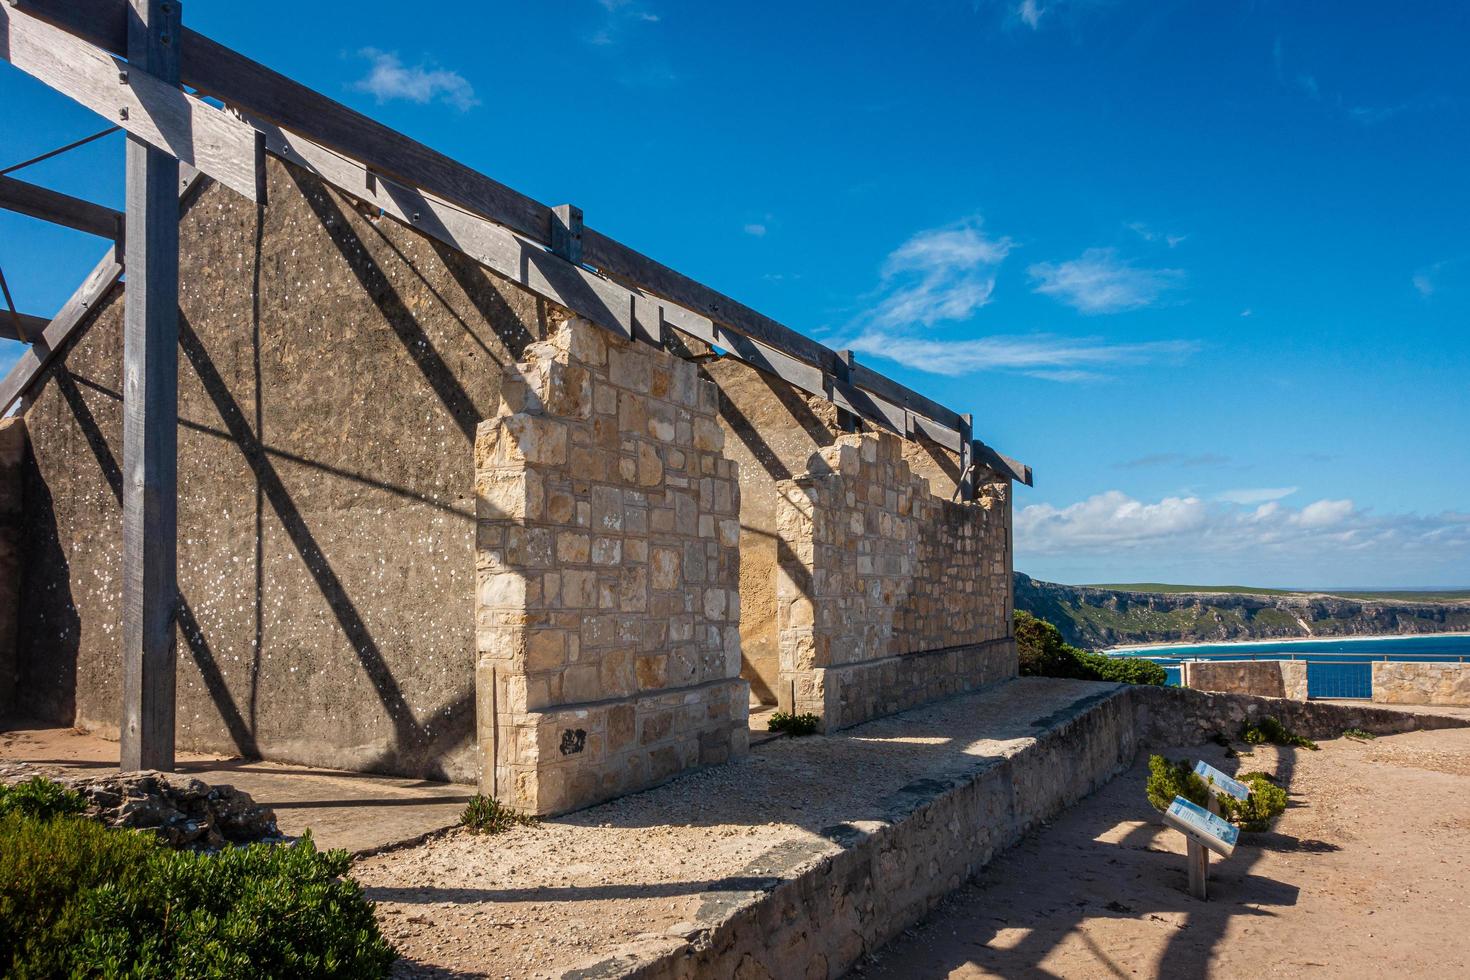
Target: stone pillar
(607,560)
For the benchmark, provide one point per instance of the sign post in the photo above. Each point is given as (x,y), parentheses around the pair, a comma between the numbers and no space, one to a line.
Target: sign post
(1204,832)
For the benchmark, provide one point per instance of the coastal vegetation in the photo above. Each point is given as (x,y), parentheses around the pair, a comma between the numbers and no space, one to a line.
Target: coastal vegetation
(78,898)
(1269,731)
(805,724)
(1043,653)
(487,815)
(1168,778)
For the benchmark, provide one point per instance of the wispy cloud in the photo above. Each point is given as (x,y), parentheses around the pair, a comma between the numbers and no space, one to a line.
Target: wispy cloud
(947,275)
(1043,356)
(1152,235)
(1114,522)
(1432,278)
(1101,282)
(1037,14)
(388,79)
(756,228)
(938,275)
(1173,459)
(619,15)
(1255,495)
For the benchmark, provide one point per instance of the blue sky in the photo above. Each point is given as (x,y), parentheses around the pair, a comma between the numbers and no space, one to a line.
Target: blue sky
(1206,267)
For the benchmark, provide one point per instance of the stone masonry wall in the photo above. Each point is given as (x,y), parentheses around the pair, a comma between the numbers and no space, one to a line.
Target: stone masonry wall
(12,455)
(887,595)
(1421,683)
(608,576)
(1262,678)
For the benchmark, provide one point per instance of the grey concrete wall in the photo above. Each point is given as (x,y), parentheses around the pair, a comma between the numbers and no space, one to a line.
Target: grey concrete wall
(12,458)
(332,370)
(1262,678)
(1421,683)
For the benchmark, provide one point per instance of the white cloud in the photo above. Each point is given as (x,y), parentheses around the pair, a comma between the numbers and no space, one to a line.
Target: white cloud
(1030,12)
(946,275)
(389,79)
(1120,531)
(755,228)
(1324,513)
(1043,356)
(1100,282)
(938,275)
(1149,234)
(1256,495)
(620,13)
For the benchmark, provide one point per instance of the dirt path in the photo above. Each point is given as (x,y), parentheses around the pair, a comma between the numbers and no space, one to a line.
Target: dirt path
(1367,874)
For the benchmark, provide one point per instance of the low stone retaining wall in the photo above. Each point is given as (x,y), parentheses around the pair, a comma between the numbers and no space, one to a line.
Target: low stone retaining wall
(857,692)
(827,909)
(1261,678)
(1421,683)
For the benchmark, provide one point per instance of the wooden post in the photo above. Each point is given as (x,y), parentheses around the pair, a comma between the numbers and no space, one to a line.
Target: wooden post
(1199,868)
(150,413)
(846,420)
(967,457)
(566,232)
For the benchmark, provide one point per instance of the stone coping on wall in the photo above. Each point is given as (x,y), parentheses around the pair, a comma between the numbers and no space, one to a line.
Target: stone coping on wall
(1261,678)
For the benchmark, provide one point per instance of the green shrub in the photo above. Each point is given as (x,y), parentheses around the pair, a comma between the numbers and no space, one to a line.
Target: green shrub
(487,815)
(40,798)
(1270,731)
(80,899)
(780,721)
(1043,653)
(1359,734)
(1168,779)
(1266,802)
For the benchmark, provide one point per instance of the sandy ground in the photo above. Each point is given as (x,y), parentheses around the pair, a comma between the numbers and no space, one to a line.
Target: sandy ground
(352,811)
(1367,874)
(636,874)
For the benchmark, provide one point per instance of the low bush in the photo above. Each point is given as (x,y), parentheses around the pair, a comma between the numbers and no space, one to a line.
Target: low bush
(487,815)
(1170,778)
(1269,731)
(80,899)
(1359,734)
(40,798)
(780,721)
(1043,653)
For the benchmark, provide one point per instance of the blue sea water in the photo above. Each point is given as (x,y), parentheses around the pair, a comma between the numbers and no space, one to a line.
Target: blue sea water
(1335,668)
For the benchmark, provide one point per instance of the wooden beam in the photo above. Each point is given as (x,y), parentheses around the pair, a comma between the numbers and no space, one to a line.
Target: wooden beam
(31,327)
(151,415)
(34,360)
(148,107)
(269,96)
(58,208)
(1004,465)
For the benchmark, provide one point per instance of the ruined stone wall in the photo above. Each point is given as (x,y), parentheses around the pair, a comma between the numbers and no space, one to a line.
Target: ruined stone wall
(12,456)
(332,370)
(608,569)
(887,595)
(1421,683)
(1262,678)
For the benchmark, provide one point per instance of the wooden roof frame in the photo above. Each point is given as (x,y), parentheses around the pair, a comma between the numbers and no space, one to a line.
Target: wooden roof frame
(77,47)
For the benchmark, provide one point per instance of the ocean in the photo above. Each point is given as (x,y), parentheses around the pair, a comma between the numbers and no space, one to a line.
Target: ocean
(1337,668)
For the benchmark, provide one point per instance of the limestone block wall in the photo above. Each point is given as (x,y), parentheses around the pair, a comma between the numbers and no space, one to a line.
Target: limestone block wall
(887,595)
(1262,678)
(1421,683)
(607,564)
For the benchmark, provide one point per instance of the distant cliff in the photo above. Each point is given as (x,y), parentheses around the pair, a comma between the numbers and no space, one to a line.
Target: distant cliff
(1097,618)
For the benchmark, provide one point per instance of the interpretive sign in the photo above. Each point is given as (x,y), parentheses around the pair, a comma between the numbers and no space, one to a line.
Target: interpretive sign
(1202,826)
(1221,782)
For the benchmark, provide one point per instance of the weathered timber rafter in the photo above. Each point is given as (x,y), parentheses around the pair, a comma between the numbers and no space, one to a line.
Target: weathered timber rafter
(57,208)
(628,293)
